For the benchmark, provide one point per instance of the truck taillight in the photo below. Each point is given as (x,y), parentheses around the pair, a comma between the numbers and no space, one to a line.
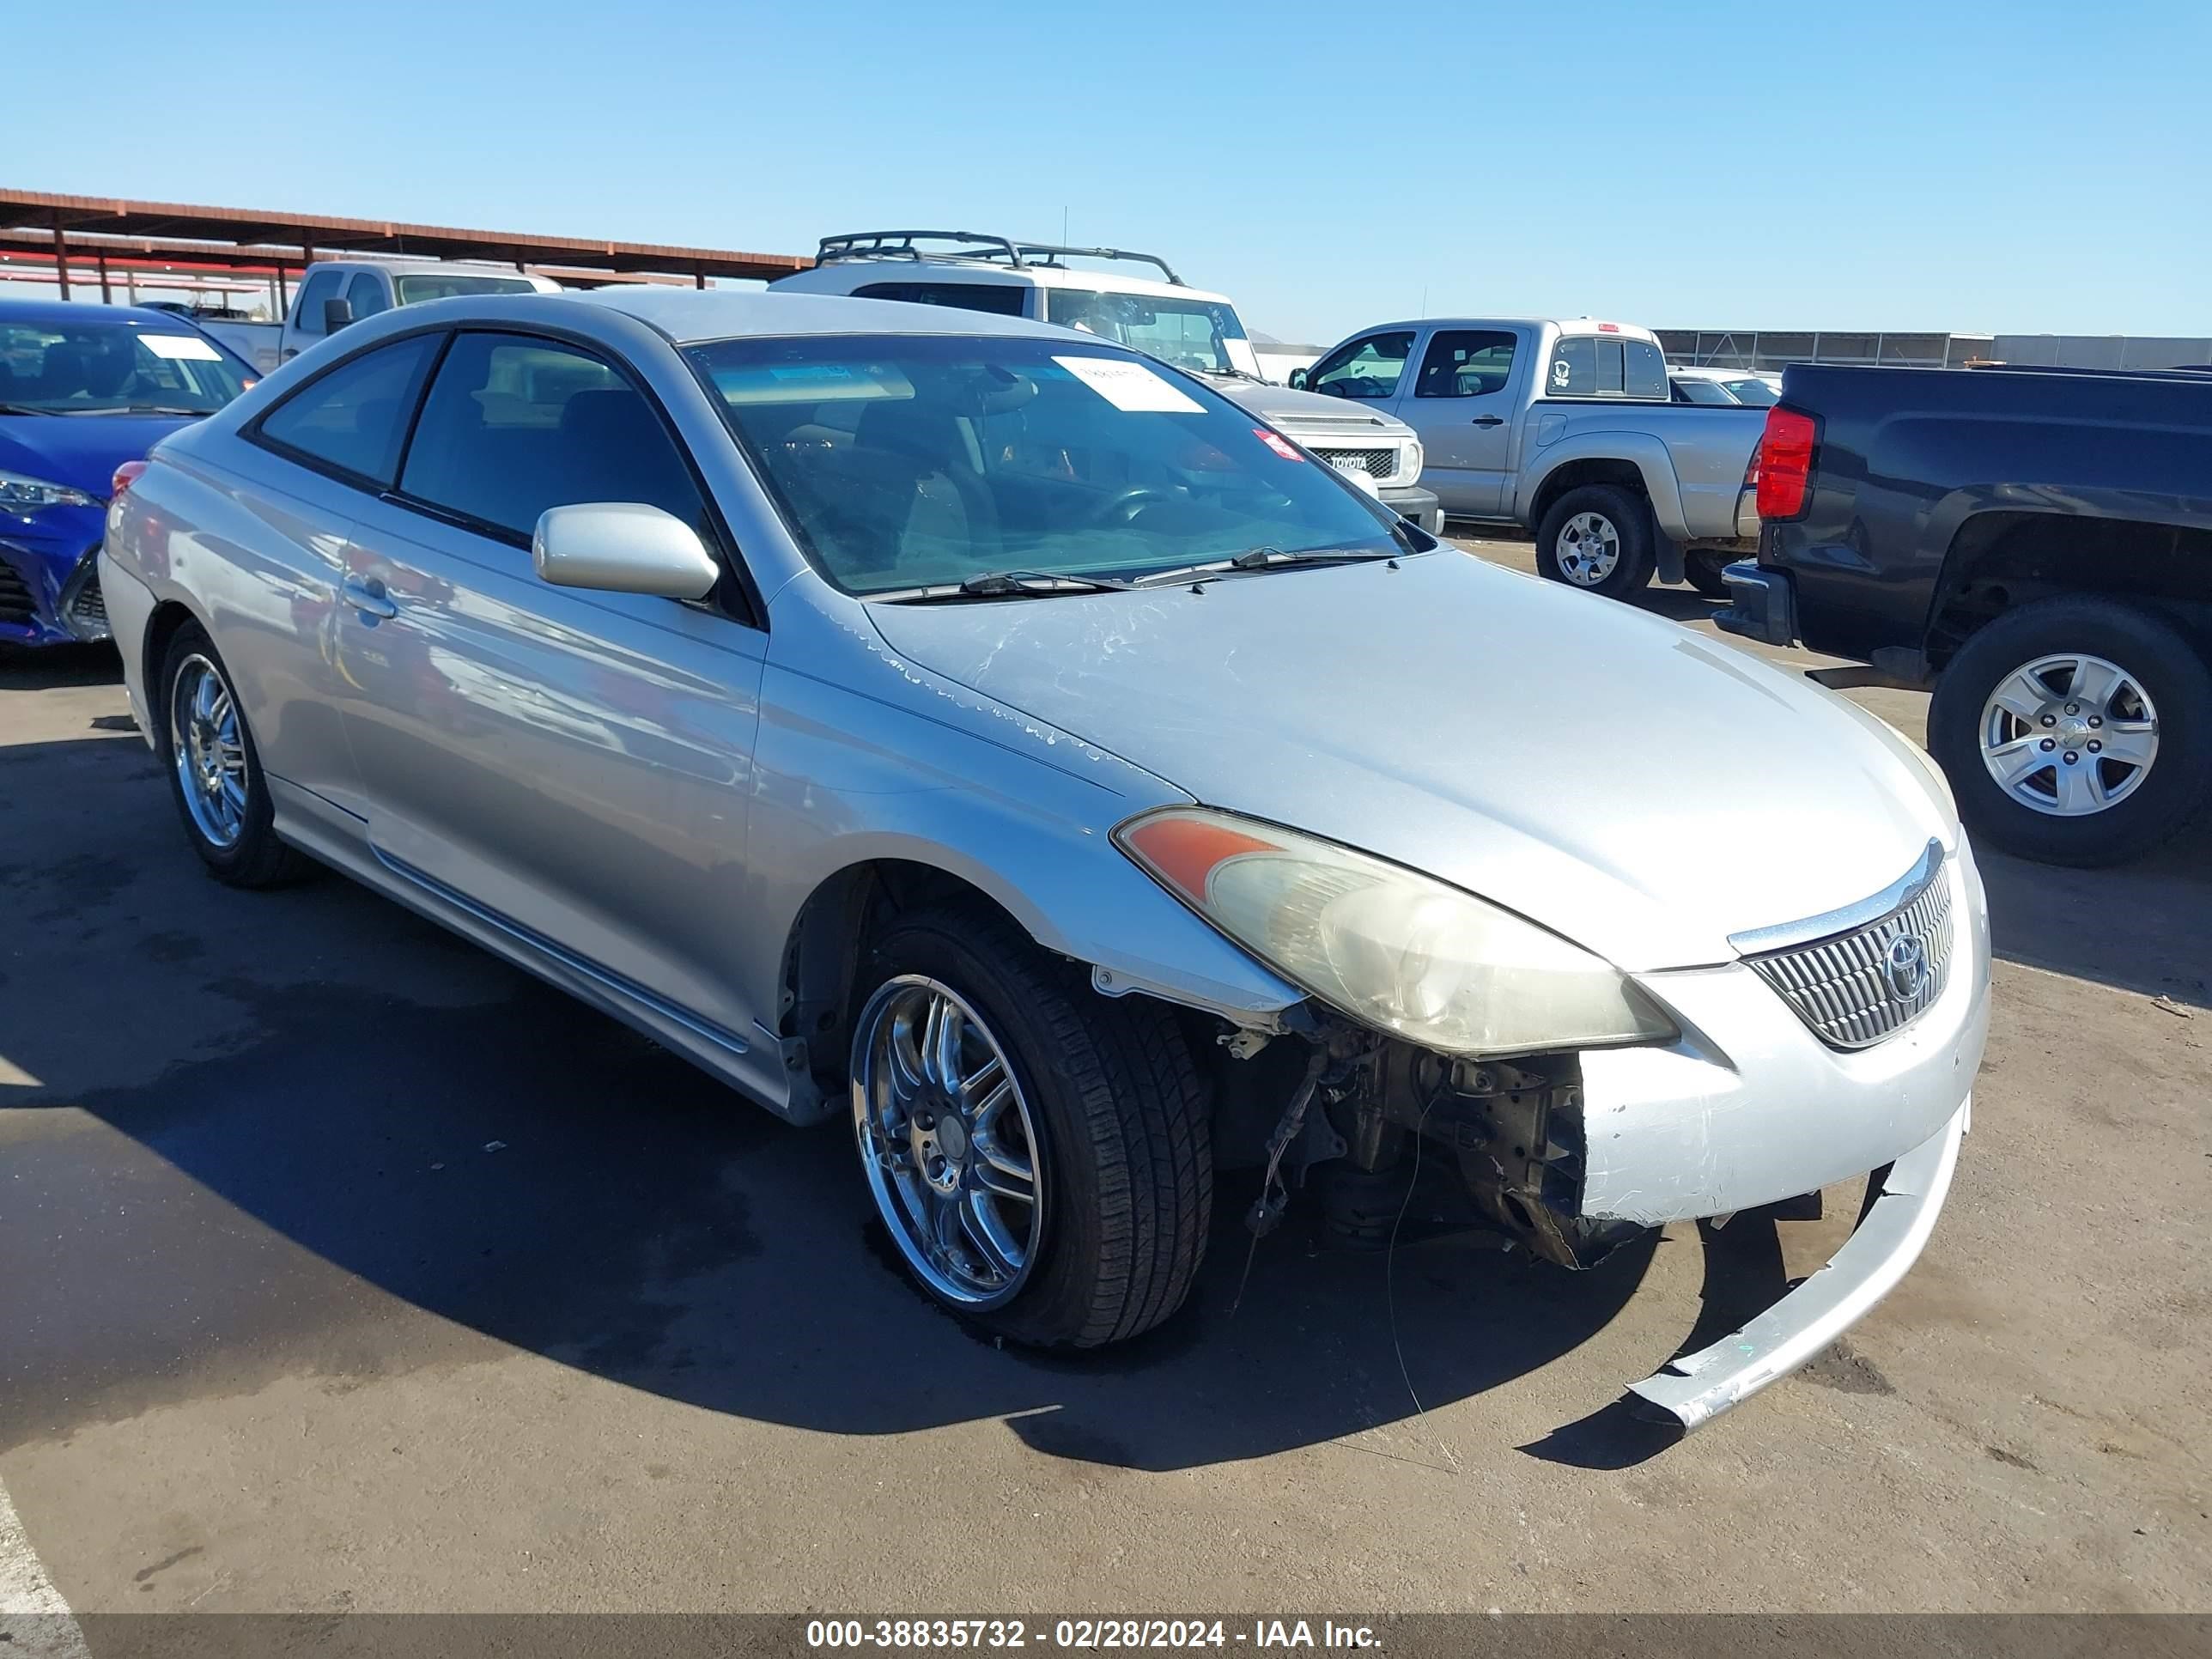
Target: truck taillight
(125,476)
(1784,462)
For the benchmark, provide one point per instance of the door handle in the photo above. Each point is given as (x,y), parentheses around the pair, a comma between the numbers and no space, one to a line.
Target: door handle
(370,599)
(1489,420)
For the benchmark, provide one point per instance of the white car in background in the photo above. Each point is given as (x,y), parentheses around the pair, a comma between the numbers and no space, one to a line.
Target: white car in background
(1724,385)
(1196,332)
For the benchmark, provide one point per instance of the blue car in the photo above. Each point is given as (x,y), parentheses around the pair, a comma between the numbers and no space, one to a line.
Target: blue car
(83,389)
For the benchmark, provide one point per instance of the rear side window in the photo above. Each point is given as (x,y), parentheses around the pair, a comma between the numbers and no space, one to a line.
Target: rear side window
(1466,363)
(365,295)
(998,298)
(515,424)
(355,418)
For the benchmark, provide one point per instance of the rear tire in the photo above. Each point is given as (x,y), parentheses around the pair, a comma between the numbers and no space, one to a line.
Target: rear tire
(1109,1111)
(1702,568)
(2010,690)
(1597,539)
(214,770)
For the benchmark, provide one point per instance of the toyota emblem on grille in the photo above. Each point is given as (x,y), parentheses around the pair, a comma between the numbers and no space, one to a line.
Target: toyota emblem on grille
(1905,965)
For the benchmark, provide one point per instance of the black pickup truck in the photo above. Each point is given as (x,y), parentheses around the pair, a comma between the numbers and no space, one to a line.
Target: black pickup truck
(2035,546)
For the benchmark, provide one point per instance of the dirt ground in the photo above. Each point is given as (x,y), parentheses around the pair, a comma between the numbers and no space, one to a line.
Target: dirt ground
(343,1268)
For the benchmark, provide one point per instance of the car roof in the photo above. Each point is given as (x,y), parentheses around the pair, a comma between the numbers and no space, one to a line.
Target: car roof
(68,311)
(880,267)
(1565,325)
(690,315)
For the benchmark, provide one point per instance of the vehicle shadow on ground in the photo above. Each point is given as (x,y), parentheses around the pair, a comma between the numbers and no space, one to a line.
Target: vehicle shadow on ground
(544,1177)
(305,1118)
(25,670)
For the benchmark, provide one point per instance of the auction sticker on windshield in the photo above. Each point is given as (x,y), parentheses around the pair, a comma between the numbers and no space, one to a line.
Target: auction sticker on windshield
(185,346)
(1130,386)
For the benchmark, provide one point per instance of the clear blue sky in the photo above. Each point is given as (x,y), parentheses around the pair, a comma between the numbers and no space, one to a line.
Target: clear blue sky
(1709,163)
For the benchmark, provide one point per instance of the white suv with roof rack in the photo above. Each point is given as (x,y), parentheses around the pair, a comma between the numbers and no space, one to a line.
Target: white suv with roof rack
(1187,327)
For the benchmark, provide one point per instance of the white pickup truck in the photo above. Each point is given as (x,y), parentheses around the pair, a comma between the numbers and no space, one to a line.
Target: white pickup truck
(1195,330)
(335,292)
(1564,428)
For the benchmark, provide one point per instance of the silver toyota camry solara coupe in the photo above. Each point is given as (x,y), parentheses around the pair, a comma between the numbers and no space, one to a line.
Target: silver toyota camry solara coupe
(994,738)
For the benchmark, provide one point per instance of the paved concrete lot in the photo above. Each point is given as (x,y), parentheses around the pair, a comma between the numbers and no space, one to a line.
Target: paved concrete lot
(343,1268)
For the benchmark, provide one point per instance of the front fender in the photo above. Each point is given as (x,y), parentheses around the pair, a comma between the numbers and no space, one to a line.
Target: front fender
(877,758)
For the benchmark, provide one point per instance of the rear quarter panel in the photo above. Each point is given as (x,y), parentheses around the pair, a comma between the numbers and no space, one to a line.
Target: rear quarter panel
(253,547)
(1907,458)
(1692,457)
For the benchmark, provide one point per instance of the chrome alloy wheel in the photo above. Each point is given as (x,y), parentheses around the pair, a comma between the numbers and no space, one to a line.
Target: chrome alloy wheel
(948,1142)
(2070,734)
(1587,549)
(209,754)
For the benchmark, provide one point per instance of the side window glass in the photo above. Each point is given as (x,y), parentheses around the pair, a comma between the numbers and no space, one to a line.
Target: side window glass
(1647,370)
(995,298)
(1366,369)
(515,424)
(1466,363)
(320,285)
(354,417)
(365,295)
(1573,373)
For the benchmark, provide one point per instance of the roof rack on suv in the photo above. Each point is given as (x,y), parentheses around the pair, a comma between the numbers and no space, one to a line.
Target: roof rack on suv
(971,244)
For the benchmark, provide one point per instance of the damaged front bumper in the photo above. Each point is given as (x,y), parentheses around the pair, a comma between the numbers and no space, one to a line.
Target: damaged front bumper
(1694,1388)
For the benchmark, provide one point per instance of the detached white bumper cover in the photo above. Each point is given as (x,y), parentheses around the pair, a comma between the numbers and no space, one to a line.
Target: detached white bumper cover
(1890,1236)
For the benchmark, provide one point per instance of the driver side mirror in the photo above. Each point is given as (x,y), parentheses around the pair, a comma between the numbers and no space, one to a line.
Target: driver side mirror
(622,547)
(337,314)
(1297,380)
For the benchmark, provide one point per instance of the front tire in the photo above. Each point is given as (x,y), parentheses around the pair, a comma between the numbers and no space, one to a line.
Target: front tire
(1597,539)
(214,770)
(1040,1155)
(2075,730)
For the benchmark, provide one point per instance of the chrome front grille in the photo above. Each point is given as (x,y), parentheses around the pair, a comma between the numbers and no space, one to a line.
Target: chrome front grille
(1857,986)
(1375,462)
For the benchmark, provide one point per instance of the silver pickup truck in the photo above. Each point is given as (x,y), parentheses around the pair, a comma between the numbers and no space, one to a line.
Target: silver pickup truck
(1564,428)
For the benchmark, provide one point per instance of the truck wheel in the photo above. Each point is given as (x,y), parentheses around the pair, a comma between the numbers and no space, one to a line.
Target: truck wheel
(2075,730)
(1702,567)
(1041,1155)
(214,770)
(1597,539)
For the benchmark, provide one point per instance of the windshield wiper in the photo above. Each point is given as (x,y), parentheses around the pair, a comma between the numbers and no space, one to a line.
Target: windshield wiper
(23,409)
(1007,585)
(135,409)
(1266,558)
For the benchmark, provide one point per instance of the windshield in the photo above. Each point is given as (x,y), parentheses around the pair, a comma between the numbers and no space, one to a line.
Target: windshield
(1753,391)
(1194,334)
(912,461)
(104,365)
(444,284)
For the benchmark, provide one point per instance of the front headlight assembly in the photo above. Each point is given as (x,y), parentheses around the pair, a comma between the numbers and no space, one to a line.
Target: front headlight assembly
(23,494)
(1393,950)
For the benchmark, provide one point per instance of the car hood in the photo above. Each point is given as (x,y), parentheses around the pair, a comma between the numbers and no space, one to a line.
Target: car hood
(1306,411)
(1635,786)
(80,451)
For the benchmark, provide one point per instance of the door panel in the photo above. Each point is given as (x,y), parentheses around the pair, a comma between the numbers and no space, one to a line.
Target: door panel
(1461,402)
(577,764)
